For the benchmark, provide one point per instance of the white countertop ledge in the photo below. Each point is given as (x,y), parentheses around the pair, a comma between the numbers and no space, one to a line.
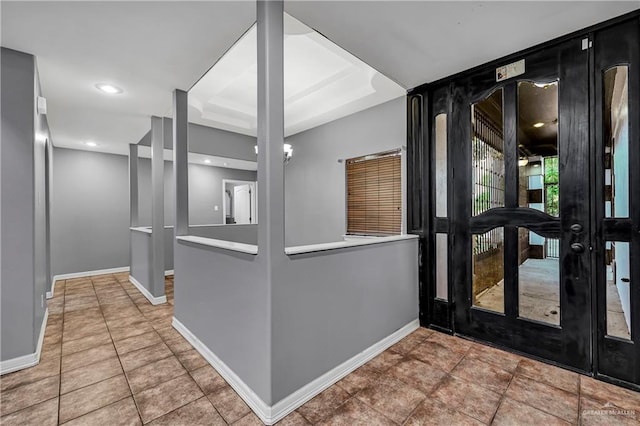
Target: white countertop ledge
(345,244)
(142,229)
(227,245)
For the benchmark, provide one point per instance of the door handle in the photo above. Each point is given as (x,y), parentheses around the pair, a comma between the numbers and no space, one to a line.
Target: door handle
(577,247)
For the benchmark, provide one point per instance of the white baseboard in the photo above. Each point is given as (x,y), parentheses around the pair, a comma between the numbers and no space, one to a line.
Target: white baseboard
(169,272)
(26,361)
(272,414)
(83,274)
(150,297)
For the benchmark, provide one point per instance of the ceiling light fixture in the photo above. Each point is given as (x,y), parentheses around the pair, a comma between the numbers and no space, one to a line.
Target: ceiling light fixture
(538,125)
(91,144)
(523,162)
(108,88)
(207,161)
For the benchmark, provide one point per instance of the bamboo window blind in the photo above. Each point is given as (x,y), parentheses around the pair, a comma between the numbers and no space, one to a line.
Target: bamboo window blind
(374,197)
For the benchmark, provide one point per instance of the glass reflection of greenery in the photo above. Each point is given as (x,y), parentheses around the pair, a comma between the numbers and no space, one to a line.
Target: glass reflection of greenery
(551,180)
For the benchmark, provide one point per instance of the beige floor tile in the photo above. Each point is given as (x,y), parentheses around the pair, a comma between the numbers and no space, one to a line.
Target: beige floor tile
(230,406)
(137,342)
(121,413)
(354,412)
(151,375)
(208,379)
(433,413)
(25,396)
(98,339)
(47,367)
(517,413)
(90,374)
(144,356)
(192,360)
(82,401)
(196,413)
(42,414)
(544,397)
(322,405)
(166,397)
(391,397)
(87,357)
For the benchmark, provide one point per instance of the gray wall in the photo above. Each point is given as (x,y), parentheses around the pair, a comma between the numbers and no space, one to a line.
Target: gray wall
(222,297)
(90,206)
(247,234)
(141,258)
(205,192)
(23,250)
(329,306)
(141,248)
(90,211)
(207,140)
(315,181)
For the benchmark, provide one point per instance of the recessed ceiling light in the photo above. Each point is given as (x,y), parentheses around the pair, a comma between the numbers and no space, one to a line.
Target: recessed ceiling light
(108,88)
(538,125)
(225,164)
(207,161)
(91,144)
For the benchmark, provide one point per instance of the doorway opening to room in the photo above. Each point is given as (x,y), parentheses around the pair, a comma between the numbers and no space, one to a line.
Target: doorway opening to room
(526,175)
(239,202)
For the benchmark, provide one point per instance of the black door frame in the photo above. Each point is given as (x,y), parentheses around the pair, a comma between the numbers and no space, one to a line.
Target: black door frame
(617,45)
(430,99)
(569,344)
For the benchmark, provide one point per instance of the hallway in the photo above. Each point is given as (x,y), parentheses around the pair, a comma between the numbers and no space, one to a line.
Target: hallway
(110,357)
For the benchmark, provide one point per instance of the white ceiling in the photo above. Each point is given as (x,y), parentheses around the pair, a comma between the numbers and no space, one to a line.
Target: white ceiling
(149,48)
(322,82)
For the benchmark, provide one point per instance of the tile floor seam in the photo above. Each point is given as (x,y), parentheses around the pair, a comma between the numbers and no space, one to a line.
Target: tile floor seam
(172,354)
(462,412)
(124,373)
(503,396)
(378,411)
(200,387)
(545,409)
(94,410)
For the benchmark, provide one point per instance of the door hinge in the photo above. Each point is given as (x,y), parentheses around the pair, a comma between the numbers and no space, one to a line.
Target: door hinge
(586,43)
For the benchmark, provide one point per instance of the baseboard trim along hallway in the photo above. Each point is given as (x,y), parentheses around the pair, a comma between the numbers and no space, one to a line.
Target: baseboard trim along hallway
(272,414)
(82,275)
(150,297)
(26,361)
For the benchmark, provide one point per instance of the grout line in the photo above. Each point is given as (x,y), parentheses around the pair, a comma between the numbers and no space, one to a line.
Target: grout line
(124,373)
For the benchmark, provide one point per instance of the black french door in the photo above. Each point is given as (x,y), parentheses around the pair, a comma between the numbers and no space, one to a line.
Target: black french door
(520,220)
(525,188)
(616,201)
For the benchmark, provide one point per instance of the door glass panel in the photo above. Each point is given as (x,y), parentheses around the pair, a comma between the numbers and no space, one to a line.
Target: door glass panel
(618,289)
(487,153)
(441,267)
(538,146)
(441,165)
(538,277)
(488,270)
(616,142)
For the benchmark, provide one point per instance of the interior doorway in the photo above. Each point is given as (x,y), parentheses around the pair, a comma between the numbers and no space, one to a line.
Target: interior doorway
(239,202)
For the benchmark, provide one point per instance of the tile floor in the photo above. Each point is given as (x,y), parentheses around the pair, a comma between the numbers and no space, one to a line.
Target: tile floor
(111,358)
